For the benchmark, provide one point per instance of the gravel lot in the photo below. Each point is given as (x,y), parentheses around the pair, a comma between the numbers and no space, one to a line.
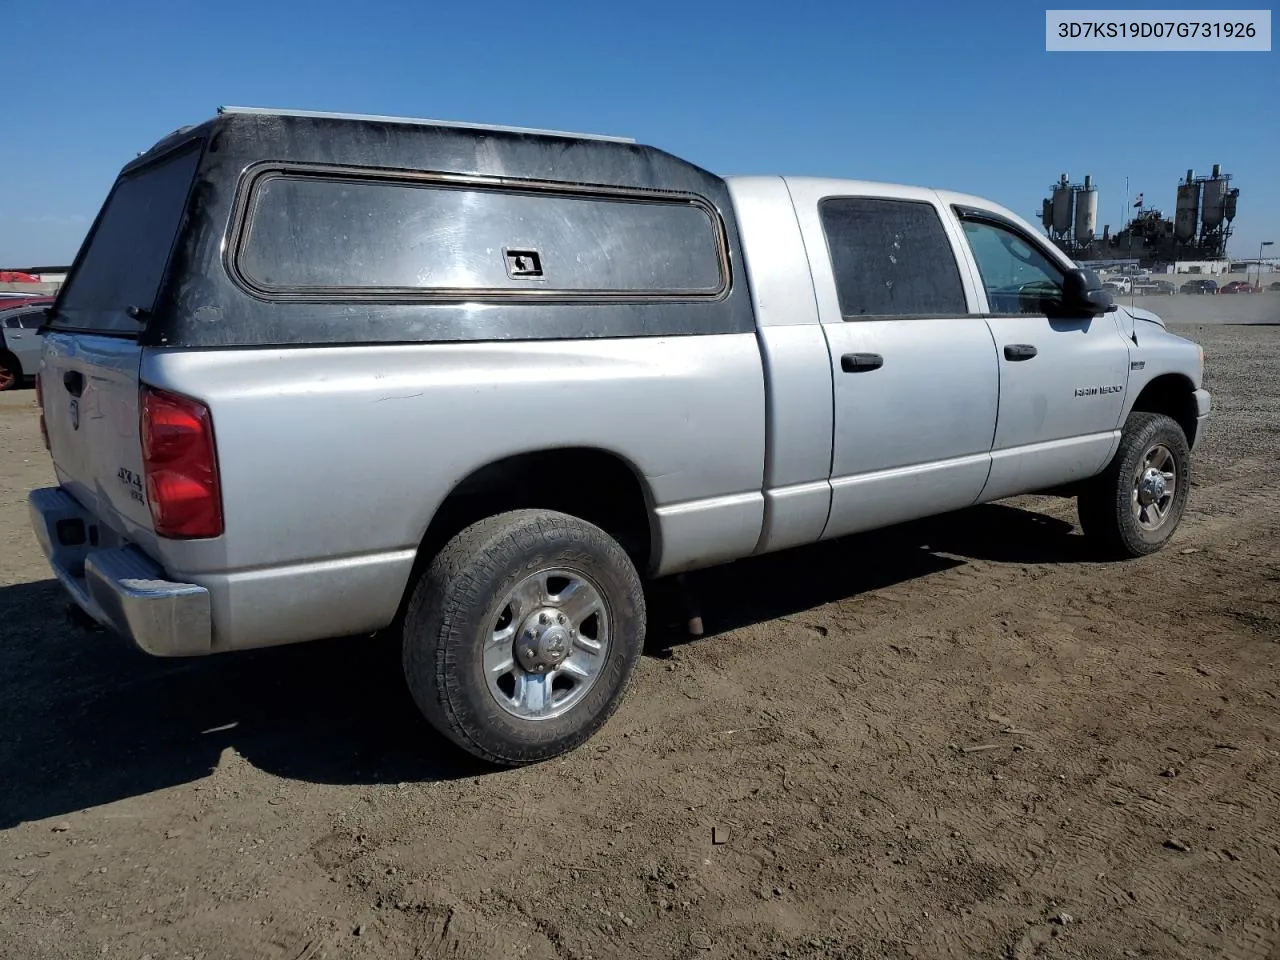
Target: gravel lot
(960,738)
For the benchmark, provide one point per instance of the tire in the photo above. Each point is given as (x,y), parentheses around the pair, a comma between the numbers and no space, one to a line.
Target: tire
(10,371)
(1110,506)
(496,578)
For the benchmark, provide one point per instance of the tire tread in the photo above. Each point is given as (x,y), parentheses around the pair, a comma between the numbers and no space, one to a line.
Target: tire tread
(464,574)
(1104,505)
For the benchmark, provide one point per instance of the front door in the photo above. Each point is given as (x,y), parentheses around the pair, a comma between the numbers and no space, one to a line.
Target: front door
(915,375)
(1062,378)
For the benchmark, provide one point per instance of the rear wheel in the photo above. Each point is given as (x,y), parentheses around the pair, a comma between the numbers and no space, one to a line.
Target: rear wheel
(10,371)
(1136,504)
(521,637)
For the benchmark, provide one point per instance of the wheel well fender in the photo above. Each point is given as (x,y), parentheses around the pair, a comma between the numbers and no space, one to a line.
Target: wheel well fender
(596,485)
(1172,394)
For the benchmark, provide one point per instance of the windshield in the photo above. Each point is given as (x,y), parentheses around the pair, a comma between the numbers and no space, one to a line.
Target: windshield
(125,256)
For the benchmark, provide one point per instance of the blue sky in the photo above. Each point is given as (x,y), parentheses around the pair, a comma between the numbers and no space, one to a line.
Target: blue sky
(921,93)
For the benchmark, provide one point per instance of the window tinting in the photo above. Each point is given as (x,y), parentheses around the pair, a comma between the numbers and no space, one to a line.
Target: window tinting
(1018,277)
(313,233)
(32,321)
(891,258)
(128,251)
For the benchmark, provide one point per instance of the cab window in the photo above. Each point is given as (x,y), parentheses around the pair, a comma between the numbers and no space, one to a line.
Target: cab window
(1018,278)
(891,259)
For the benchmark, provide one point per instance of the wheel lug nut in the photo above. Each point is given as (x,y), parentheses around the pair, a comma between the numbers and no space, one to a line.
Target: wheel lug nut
(562,620)
(543,619)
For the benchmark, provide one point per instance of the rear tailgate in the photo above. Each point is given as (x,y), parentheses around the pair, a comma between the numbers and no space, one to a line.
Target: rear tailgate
(92,355)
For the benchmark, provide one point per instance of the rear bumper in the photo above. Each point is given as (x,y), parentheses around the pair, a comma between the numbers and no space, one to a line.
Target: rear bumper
(1204,406)
(120,587)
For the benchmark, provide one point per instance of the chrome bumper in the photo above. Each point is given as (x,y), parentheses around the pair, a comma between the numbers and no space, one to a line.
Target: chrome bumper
(121,587)
(1204,406)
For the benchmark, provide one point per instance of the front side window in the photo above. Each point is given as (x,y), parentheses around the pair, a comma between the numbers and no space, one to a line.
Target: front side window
(1018,278)
(891,258)
(32,321)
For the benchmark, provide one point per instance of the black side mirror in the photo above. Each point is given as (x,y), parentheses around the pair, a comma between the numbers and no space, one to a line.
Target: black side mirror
(1082,294)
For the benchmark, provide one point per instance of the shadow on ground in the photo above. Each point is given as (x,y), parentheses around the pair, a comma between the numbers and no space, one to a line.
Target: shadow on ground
(88,720)
(785,583)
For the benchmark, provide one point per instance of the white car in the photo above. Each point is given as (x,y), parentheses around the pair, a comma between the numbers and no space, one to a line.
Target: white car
(1124,283)
(19,342)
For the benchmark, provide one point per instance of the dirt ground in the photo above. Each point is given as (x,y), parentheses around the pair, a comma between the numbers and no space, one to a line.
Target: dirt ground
(961,738)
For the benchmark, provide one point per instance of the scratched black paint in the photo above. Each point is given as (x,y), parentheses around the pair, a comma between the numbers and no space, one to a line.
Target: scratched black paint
(200,304)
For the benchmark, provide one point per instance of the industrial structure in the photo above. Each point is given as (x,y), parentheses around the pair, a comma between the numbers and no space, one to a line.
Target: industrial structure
(1070,216)
(1201,225)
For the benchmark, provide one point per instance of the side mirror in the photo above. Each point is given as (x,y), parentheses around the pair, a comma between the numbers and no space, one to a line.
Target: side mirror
(1082,294)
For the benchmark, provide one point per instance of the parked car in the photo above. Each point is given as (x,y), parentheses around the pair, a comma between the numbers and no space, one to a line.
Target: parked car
(1237,286)
(1157,288)
(19,343)
(1200,286)
(1275,285)
(475,385)
(1124,284)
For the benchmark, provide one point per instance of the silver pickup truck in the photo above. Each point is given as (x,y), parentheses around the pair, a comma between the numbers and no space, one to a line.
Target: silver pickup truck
(324,375)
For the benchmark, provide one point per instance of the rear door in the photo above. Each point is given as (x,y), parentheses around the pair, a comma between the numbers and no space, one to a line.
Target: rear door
(915,378)
(91,349)
(1062,378)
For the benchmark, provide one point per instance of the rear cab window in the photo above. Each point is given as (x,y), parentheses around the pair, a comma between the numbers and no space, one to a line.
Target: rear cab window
(891,258)
(113,285)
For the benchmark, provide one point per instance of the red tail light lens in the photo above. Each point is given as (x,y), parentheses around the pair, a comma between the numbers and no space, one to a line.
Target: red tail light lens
(181,466)
(44,430)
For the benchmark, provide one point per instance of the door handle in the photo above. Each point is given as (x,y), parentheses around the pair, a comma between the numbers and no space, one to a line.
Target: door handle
(861,362)
(1019,351)
(73,380)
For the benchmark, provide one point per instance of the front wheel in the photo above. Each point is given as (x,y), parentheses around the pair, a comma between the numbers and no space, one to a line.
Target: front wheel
(1135,505)
(521,637)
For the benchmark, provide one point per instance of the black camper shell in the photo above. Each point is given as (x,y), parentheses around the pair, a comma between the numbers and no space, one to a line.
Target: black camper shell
(264,228)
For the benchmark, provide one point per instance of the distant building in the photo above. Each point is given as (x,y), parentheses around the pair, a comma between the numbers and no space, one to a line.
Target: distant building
(48,274)
(33,279)
(1209,268)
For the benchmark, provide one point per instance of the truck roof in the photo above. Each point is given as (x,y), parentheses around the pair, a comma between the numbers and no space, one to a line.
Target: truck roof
(883,188)
(458,124)
(836,186)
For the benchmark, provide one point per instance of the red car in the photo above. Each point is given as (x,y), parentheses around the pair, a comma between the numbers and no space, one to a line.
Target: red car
(1237,286)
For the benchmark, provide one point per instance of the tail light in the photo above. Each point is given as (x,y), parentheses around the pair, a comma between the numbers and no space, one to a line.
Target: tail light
(181,466)
(44,429)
